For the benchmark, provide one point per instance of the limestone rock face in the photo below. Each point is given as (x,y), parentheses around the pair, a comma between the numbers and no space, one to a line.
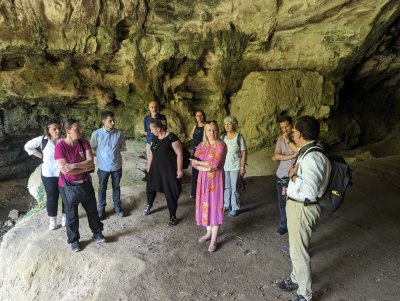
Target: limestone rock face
(75,58)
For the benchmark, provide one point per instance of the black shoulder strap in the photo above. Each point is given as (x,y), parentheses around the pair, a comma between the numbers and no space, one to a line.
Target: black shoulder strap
(238,140)
(43,143)
(82,147)
(316,148)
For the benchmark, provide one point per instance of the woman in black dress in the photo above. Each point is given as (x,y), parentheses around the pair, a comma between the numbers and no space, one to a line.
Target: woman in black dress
(197,136)
(165,168)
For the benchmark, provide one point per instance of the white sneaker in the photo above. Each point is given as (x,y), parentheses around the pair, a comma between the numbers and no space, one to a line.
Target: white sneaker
(63,220)
(52,222)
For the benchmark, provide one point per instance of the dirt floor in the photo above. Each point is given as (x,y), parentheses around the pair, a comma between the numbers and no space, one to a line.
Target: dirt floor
(355,252)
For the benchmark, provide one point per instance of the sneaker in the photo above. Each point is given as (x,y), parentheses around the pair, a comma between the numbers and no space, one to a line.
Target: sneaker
(172,221)
(99,237)
(281,231)
(146,210)
(75,246)
(226,209)
(287,285)
(300,298)
(233,213)
(63,220)
(102,215)
(52,222)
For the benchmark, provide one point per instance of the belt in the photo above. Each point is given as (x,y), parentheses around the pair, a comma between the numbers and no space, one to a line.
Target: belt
(306,202)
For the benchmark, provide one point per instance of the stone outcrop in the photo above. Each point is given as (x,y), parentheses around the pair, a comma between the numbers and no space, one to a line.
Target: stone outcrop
(75,58)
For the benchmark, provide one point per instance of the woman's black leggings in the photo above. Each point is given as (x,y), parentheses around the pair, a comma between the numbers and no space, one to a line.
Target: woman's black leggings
(52,195)
(172,202)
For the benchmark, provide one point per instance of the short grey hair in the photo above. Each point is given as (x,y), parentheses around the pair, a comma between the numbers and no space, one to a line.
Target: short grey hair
(233,120)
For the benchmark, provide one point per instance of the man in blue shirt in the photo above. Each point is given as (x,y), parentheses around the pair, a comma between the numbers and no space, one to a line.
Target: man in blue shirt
(108,142)
(154,113)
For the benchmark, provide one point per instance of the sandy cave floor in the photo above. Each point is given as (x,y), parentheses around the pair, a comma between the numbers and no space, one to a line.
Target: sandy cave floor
(355,252)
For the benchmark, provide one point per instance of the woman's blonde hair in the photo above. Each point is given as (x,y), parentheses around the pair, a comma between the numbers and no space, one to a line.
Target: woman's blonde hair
(233,120)
(205,139)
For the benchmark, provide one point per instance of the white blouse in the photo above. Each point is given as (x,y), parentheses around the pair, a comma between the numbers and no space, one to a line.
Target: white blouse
(49,167)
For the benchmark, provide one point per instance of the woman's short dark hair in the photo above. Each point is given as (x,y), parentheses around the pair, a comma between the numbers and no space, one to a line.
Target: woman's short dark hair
(308,127)
(69,122)
(48,123)
(106,114)
(161,124)
(283,118)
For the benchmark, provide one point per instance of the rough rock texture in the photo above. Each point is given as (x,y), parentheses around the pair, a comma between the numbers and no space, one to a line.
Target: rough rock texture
(74,58)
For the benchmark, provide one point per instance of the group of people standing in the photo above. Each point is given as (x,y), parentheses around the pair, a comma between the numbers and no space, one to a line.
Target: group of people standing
(218,162)
(67,164)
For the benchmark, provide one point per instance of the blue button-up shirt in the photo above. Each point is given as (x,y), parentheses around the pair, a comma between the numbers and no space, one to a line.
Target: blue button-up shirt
(108,147)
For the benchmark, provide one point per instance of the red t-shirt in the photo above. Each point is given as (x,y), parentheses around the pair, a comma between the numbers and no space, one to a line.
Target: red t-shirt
(72,154)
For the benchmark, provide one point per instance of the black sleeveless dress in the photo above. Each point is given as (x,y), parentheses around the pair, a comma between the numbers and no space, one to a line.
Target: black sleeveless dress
(197,136)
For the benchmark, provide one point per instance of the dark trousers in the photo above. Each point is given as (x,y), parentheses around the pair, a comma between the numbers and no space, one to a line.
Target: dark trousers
(115,183)
(195,174)
(71,211)
(282,205)
(52,194)
(172,202)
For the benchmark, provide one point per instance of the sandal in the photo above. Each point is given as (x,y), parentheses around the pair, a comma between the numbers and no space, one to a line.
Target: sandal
(212,247)
(172,221)
(204,238)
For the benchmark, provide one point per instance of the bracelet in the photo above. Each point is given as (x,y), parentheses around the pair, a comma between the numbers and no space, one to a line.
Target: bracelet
(242,168)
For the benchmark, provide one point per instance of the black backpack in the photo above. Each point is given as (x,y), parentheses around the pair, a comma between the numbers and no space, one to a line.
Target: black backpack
(339,179)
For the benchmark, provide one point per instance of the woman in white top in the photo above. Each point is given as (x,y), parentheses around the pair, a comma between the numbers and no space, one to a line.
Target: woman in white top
(50,170)
(235,164)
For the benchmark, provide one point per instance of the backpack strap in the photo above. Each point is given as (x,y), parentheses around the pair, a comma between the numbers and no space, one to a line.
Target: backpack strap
(43,143)
(238,138)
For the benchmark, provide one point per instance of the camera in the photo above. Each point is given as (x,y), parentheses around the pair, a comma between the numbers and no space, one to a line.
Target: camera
(284,181)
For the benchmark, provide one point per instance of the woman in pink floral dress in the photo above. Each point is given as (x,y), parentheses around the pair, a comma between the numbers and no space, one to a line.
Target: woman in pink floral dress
(210,158)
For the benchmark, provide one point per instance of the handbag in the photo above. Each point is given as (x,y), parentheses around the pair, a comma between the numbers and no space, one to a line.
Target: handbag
(76,192)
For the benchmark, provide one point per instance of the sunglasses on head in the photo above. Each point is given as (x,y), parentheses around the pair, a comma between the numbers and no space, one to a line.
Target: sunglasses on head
(211,121)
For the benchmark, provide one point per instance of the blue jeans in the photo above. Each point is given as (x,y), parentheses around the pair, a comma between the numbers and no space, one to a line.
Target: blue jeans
(231,194)
(282,205)
(115,180)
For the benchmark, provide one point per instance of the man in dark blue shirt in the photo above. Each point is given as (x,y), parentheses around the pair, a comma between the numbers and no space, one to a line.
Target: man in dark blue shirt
(154,113)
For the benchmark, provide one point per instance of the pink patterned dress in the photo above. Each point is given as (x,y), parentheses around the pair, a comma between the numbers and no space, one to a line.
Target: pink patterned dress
(210,185)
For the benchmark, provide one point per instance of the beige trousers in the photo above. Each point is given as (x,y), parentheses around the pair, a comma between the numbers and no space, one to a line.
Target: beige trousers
(301,220)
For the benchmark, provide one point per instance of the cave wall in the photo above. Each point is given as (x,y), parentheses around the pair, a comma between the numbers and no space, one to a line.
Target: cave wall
(253,59)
